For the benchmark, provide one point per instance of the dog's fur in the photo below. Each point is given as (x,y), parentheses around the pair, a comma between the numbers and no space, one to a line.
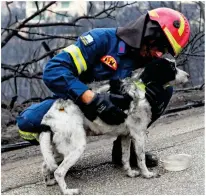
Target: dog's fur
(68,136)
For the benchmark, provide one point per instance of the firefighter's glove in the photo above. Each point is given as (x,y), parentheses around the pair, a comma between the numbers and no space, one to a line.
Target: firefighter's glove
(116,88)
(105,106)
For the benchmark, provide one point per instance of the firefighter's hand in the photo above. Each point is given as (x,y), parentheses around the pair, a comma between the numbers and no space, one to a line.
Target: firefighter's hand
(116,88)
(103,105)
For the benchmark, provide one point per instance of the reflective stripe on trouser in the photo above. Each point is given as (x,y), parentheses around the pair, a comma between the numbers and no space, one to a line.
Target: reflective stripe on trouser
(29,135)
(77,58)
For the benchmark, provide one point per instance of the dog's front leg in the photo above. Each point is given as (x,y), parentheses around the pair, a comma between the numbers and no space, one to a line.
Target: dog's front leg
(63,168)
(126,143)
(138,138)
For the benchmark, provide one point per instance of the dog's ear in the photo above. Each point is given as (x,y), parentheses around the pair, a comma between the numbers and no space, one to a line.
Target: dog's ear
(161,71)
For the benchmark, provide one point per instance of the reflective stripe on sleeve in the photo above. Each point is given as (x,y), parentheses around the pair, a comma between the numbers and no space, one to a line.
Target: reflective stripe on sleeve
(77,58)
(166,85)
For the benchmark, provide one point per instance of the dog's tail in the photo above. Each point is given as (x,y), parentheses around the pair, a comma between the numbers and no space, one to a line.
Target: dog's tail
(47,150)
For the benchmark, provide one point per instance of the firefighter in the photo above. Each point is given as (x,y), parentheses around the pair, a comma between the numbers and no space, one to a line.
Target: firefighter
(109,54)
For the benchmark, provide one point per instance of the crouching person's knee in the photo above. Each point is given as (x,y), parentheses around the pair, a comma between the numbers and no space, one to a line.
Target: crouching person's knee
(26,130)
(29,121)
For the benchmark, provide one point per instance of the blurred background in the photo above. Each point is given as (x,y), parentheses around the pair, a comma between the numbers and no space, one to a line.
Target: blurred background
(32,32)
(29,29)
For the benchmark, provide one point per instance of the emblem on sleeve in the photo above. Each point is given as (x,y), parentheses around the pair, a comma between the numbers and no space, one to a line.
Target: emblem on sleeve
(110,61)
(87,40)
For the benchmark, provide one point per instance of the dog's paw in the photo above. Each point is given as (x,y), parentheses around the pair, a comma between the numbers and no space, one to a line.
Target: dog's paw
(149,174)
(49,179)
(133,173)
(50,182)
(71,192)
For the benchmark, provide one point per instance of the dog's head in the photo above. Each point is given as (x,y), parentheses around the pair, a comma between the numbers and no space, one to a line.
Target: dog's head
(163,71)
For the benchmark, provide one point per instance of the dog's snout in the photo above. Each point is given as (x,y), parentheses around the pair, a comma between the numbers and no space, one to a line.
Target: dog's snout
(181,77)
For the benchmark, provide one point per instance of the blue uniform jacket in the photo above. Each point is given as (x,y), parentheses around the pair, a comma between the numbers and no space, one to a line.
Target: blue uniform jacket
(97,55)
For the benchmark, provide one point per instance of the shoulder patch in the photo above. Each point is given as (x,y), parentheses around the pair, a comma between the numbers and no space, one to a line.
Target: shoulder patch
(110,61)
(87,39)
(121,48)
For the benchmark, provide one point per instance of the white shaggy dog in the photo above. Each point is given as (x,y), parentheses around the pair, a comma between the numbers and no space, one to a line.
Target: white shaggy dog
(67,136)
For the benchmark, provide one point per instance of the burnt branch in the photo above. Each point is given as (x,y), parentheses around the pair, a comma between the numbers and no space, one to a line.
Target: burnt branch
(9,10)
(33,99)
(10,16)
(52,24)
(185,107)
(47,48)
(48,36)
(37,5)
(22,75)
(195,55)
(111,8)
(200,87)
(23,23)
(32,39)
(11,67)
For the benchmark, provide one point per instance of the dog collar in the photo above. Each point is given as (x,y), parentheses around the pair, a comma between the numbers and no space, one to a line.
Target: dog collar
(140,85)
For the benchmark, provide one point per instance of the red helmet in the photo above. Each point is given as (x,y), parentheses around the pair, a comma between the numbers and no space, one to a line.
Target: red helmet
(175,26)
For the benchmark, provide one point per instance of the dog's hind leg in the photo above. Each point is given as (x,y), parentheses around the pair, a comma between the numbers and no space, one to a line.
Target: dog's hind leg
(58,157)
(49,165)
(72,148)
(126,143)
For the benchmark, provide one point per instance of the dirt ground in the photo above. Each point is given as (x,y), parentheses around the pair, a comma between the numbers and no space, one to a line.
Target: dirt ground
(95,174)
(9,134)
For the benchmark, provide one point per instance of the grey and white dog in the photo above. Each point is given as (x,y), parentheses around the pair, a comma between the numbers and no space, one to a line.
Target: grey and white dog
(67,135)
